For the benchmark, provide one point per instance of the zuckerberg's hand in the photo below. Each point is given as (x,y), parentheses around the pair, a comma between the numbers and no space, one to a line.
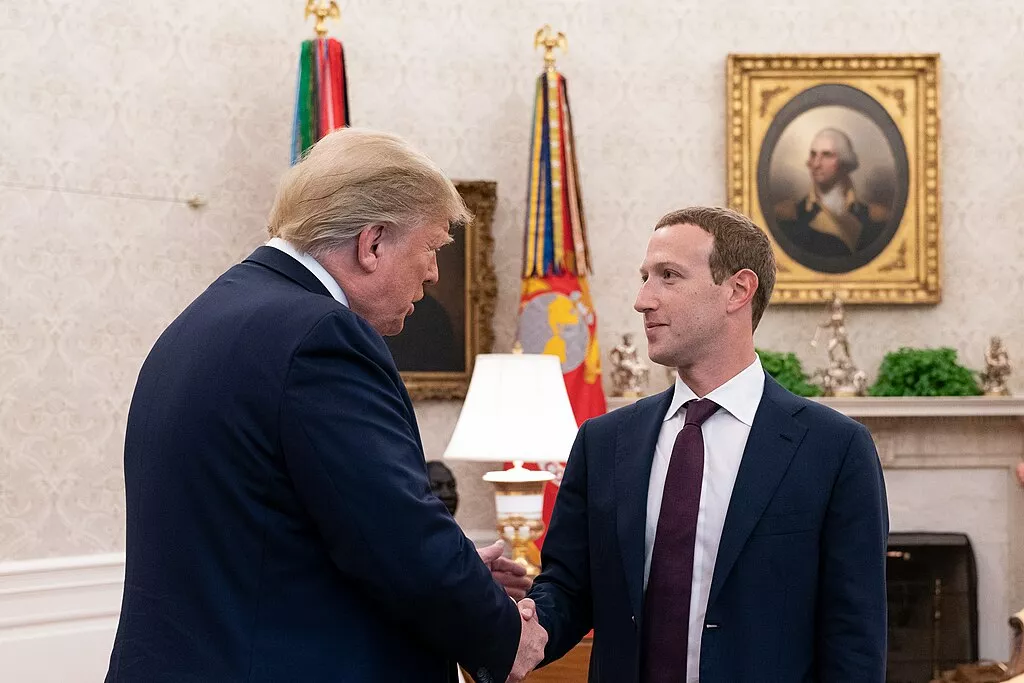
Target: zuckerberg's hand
(511,575)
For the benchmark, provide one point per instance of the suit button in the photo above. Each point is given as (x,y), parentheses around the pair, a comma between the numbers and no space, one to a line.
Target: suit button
(633,619)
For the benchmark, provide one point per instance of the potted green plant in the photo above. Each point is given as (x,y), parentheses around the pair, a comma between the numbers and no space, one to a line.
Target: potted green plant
(787,370)
(924,372)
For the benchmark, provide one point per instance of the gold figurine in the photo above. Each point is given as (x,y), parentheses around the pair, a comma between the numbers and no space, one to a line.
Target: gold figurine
(322,11)
(841,378)
(549,40)
(997,369)
(629,373)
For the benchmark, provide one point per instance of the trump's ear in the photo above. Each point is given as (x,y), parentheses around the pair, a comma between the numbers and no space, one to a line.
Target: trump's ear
(369,245)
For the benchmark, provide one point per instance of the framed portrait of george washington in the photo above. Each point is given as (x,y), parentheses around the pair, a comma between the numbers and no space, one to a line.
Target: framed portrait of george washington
(451,324)
(837,157)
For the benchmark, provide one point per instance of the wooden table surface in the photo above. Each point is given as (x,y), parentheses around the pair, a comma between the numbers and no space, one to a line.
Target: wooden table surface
(572,668)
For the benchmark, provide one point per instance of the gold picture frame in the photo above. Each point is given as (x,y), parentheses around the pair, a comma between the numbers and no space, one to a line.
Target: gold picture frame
(866,223)
(453,322)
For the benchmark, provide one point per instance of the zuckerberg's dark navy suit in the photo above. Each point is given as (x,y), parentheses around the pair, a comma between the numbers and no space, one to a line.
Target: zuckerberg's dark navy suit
(798,592)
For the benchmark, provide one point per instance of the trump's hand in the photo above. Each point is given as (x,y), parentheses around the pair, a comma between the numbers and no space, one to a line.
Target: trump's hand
(511,575)
(532,642)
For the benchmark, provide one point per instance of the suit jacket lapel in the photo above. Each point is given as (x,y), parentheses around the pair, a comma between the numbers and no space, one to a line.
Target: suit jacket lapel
(774,438)
(634,452)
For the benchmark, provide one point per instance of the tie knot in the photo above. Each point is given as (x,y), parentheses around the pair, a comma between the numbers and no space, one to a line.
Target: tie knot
(699,410)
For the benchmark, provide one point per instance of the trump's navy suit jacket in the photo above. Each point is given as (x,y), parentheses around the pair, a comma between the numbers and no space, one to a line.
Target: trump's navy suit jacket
(798,592)
(280,524)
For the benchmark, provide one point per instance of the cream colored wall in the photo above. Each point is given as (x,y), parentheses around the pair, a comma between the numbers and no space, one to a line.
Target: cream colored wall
(122,107)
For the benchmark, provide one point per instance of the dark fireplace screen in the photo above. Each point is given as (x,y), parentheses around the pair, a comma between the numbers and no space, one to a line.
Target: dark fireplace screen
(933,605)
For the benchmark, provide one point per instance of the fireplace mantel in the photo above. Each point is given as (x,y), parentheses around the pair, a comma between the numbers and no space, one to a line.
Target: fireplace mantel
(909,406)
(927,406)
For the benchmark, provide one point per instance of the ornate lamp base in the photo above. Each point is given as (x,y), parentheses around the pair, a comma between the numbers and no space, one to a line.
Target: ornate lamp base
(519,498)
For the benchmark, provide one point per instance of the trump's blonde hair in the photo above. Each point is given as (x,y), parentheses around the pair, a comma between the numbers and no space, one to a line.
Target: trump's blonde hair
(354,178)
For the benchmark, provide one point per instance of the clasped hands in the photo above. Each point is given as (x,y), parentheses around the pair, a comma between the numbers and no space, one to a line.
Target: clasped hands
(512,577)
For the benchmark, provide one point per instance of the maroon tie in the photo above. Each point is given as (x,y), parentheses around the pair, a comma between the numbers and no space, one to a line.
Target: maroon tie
(666,616)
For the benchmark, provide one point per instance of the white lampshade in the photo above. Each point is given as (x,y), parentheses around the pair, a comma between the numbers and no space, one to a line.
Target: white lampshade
(516,409)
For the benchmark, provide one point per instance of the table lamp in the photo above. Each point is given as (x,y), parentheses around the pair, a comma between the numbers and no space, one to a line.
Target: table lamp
(516,410)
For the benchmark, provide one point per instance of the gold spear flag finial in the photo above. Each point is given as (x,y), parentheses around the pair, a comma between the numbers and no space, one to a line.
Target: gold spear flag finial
(322,11)
(549,40)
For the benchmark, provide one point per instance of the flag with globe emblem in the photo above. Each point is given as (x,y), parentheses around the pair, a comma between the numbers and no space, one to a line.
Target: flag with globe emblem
(556,315)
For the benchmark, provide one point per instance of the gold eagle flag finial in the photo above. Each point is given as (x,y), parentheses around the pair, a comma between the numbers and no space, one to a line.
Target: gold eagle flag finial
(550,40)
(322,11)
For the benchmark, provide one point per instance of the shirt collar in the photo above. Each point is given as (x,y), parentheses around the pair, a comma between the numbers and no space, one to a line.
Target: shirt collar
(313,266)
(740,396)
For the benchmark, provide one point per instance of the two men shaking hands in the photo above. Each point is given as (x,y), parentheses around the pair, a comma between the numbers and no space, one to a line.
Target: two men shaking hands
(280,524)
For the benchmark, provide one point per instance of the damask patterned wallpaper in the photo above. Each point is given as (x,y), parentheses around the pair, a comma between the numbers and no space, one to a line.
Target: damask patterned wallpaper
(110,110)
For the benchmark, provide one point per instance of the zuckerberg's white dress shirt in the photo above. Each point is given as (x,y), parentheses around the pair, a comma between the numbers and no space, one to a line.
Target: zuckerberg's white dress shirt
(725,436)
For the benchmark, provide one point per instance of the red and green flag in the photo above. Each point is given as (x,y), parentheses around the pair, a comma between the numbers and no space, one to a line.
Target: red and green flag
(321,101)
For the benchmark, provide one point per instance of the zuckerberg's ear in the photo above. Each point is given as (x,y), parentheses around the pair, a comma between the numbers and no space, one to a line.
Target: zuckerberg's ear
(743,286)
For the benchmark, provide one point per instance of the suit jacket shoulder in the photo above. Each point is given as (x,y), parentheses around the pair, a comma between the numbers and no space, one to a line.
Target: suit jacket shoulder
(814,415)
(603,428)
